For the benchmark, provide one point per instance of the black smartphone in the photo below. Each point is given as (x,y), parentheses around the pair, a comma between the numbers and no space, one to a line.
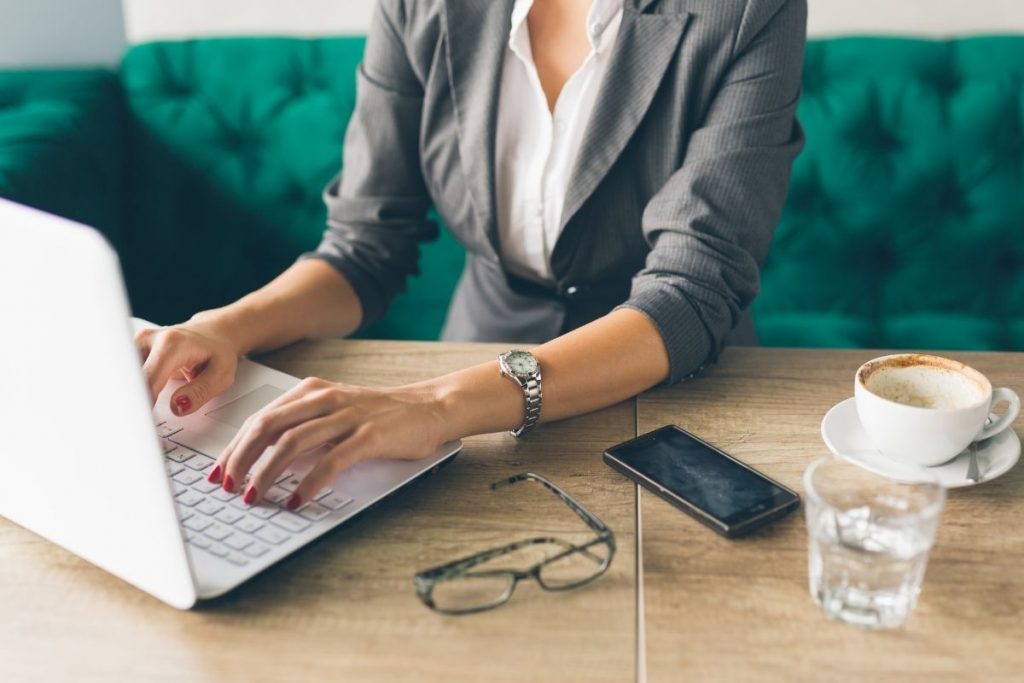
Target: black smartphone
(709,485)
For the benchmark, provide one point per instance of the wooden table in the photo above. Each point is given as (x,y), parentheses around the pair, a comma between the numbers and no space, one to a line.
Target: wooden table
(712,609)
(344,609)
(720,610)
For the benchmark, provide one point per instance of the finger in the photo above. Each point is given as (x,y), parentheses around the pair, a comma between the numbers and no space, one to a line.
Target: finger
(211,381)
(298,391)
(264,431)
(165,358)
(144,342)
(337,460)
(293,443)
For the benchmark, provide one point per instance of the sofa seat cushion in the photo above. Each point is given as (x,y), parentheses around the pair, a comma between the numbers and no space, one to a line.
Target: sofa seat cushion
(60,144)
(904,226)
(233,141)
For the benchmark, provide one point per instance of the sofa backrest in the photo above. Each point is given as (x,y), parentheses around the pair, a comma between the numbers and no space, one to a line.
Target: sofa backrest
(904,226)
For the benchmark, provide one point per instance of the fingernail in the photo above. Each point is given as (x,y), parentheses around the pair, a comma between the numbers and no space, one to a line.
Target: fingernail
(229,484)
(214,476)
(183,403)
(250,495)
(294,501)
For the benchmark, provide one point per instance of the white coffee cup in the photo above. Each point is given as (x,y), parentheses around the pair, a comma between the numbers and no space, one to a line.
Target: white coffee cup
(925,410)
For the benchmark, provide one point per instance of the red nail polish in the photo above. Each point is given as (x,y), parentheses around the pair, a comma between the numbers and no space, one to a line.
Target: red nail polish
(229,484)
(183,403)
(294,501)
(214,476)
(250,495)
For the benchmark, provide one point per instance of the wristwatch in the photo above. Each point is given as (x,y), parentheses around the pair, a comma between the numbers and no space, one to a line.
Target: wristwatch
(523,369)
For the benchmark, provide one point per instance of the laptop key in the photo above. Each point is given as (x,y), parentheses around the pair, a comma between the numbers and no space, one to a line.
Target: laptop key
(335,501)
(197,522)
(218,550)
(178,488)
(188,477)
(263,511)
(290,522)
(184,513)
(276,495)
(165,429)
(323,494)
(272,536)
(291,483)
(200,541)
(222,495)
(210,507)
(229,516)
(236,559)
(199,462)
(173,467)
(314,512)
(190,498)
(204,486)
(168,446)
(284,475)
(249,525)
(179,455)
(217,531)
(256,550)
(237,541)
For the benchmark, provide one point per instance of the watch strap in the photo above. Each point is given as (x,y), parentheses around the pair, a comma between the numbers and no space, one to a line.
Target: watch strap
(532,396)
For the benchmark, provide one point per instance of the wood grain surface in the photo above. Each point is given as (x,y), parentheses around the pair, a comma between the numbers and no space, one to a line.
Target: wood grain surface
(739,610)
(344,608)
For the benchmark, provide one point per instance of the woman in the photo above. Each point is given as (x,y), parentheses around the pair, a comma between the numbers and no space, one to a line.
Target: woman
(615,170)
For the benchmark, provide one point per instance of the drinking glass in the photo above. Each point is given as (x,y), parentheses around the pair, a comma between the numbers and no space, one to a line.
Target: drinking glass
(869,538)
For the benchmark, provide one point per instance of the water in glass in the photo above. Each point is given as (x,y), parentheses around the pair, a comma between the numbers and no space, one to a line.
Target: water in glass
(869,539)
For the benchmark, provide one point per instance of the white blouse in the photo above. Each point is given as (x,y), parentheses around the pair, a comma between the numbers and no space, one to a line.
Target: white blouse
(535,148)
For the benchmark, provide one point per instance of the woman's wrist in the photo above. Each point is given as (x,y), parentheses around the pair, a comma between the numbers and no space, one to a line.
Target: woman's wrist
(228,325)
(476,400)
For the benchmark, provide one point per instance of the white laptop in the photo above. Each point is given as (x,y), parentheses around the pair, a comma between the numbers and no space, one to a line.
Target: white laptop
(82,463)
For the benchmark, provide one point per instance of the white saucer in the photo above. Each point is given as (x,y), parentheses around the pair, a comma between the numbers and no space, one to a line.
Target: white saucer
(845,437)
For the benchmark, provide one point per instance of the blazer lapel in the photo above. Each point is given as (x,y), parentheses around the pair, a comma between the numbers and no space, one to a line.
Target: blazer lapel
(476,37)
(643,50)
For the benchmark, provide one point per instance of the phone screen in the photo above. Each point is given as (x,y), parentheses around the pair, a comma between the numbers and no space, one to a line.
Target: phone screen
(698,474)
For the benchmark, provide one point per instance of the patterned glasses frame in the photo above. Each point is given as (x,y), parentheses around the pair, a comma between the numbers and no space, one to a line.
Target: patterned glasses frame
(461,569)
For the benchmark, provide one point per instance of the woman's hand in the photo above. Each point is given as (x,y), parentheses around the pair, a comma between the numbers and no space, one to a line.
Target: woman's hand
(351,424)
(198,352)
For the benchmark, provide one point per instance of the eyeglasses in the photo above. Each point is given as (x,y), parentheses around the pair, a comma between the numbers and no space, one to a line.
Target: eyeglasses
(463,587)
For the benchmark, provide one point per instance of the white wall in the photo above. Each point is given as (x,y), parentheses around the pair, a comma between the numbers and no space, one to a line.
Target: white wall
(150,19)
(72,32)
(170,19)
(60,32)
(914,17)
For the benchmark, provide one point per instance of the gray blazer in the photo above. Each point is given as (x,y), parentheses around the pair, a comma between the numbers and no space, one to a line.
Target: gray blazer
(679,183)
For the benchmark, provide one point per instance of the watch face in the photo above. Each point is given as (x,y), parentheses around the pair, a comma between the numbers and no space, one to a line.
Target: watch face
(521,363)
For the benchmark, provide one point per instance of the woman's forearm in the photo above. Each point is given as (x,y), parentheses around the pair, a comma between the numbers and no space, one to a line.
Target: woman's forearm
(597,365)
(311,299)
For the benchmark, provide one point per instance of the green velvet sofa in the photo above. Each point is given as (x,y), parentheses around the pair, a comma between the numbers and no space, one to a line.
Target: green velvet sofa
(203,161)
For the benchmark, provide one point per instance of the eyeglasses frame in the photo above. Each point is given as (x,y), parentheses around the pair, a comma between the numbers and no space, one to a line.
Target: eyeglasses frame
(426,580)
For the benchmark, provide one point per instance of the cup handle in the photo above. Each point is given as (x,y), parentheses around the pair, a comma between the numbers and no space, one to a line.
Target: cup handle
(998,396)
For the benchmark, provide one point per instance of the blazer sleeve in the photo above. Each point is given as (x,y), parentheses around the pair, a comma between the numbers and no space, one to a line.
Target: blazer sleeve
(377,206)
(710,225)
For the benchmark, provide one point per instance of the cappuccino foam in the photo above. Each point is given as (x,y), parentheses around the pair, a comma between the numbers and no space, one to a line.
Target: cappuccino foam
(925,386)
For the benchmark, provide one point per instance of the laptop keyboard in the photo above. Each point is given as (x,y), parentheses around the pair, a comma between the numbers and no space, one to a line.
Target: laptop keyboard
(219,523)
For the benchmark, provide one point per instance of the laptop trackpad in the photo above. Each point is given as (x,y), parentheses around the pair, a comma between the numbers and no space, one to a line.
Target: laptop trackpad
(236,412)
(211,437)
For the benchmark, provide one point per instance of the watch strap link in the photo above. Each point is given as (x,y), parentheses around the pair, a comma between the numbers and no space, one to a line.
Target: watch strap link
(532,396)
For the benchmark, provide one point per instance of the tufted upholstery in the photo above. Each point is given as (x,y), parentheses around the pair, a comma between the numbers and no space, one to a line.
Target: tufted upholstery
(232,142)
(60,144)
(905,221)
(904,226)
